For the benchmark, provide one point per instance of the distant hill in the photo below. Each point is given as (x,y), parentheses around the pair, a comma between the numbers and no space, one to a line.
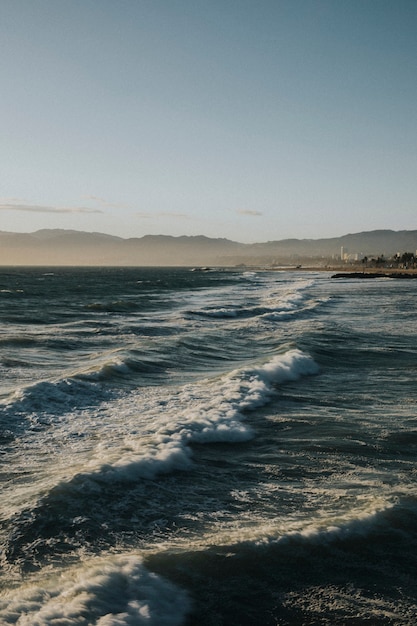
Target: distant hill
(70,247)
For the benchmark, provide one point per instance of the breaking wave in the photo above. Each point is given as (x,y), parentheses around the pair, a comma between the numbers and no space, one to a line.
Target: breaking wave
(107,592)
(205,413)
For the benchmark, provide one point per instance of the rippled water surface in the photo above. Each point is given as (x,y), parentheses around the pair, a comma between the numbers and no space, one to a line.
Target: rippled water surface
(207,448)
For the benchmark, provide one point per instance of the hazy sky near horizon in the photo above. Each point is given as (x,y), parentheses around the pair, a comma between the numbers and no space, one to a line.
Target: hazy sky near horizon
(251,120)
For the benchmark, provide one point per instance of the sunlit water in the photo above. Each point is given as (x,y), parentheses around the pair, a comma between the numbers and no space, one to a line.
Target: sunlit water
(207,448)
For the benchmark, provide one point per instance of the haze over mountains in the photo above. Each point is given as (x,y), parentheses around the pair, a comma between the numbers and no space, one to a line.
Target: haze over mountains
(68,247)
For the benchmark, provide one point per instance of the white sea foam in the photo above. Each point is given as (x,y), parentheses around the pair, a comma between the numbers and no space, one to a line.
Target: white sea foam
(144,434)
(198,413)
(221,312)
(280,302)
(287,367)
(352,526)
(52,395)
(378,517)
(284,304)
(117,591)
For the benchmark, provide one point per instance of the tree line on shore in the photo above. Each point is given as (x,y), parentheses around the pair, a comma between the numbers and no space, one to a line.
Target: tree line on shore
(405,260)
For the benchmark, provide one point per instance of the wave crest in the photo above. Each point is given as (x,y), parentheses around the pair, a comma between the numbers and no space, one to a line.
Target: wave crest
(117,592)
(209,413)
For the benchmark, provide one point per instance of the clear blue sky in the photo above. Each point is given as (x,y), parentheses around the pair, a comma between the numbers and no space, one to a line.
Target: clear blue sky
(252,120)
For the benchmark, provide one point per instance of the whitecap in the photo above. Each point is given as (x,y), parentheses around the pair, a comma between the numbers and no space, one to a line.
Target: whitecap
(199,413)
(117,591)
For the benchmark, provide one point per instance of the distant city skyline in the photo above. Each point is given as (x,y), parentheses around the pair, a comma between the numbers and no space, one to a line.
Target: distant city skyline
(250,121)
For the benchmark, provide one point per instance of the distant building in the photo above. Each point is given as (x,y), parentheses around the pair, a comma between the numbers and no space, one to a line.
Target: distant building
(346,256)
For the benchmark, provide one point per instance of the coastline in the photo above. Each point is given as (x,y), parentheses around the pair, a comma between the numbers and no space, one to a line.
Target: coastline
(353,272)
(401,274)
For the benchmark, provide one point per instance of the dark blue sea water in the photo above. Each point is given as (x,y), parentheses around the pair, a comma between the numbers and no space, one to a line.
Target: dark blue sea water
(207,448)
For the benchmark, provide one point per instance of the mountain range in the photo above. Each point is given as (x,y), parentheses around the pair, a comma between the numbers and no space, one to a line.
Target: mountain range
(54,247)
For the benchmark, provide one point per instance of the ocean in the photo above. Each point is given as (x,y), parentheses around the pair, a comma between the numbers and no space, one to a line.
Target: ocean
(205,448)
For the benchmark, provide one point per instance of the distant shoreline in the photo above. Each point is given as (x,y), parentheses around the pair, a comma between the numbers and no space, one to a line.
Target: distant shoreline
(344,272)
(407,274)
(368,273)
